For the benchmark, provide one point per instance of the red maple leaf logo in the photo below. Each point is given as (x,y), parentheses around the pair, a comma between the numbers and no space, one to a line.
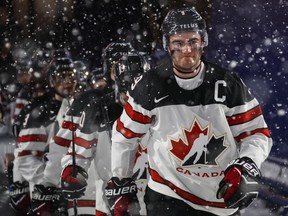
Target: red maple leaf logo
(180,148)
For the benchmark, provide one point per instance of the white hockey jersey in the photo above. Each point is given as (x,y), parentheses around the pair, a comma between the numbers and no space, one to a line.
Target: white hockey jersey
(58,148)
(194,133)
(39,116)
(59,144)
(92,143)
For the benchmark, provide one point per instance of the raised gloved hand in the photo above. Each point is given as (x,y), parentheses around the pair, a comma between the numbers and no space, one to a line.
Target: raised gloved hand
(73,182)
(239,187)
(122,197)
(48,201)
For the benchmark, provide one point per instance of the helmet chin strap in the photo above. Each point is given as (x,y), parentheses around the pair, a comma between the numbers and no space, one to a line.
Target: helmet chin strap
(187,72)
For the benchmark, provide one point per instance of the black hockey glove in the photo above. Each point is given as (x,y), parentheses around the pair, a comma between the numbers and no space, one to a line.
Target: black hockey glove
(239,187)
(122,197)
(48,201)
(73,182)
(20,198)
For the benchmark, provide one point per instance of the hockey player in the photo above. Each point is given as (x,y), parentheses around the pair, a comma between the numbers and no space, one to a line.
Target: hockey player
(26,73)
(33,136)
(37,86)
(58,146)
(92,140)
(23,78)
(177,102)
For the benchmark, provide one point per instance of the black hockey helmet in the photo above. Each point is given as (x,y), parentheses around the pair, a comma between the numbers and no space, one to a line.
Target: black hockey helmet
(183,20)
(128,68)
(98,81)
(112,53)
(82,68)
(22,60)
(95,75)
(40,61)
(60,67)
(38,69)
(42,58)
(23,65)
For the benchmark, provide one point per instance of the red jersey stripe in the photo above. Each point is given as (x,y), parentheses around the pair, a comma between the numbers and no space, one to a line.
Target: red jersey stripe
(84,143)
(125,131)
(264,131)
(184,194)
(20,105)
(244,117)
(136,116)
(69,125)
(61,141)
(32,138)
(83,203)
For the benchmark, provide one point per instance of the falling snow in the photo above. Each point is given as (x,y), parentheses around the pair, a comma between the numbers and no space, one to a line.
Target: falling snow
(249,37)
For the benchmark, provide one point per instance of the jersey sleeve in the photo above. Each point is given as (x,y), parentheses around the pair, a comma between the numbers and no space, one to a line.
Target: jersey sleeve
(247,124)
(128,129)
(58,147)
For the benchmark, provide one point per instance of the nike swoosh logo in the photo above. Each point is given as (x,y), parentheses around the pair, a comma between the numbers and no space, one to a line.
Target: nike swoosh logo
(159,99)
(102,125)
(52,118)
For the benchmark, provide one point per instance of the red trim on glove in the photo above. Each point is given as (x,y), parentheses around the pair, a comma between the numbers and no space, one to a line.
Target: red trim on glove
(233,176)
(68,177)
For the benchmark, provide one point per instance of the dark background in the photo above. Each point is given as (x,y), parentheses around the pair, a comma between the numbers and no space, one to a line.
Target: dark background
(247,36)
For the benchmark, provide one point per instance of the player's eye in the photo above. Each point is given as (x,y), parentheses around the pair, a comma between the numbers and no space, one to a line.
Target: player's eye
(178,44)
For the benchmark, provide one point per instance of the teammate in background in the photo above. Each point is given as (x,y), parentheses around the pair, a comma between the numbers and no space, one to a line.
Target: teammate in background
(32,140)
(37,87)
(23,78)
(58,147)
(27,69)
(176,102)
(92,139)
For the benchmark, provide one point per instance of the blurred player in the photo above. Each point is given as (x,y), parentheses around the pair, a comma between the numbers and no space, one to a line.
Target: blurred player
(92,139)
(58,147)
(33,136)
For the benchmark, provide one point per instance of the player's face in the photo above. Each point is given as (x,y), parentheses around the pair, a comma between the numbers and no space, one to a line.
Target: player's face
(186,50)
(65,83)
